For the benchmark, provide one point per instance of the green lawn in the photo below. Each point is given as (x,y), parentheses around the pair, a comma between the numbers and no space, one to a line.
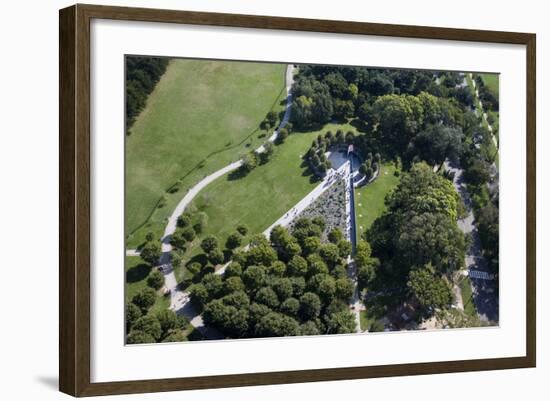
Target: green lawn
(198,108)
(491,80)
(466,291)
(369,199)
(137,272)
(261,197)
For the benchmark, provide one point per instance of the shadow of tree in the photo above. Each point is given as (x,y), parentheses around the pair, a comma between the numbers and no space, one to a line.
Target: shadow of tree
(138,273)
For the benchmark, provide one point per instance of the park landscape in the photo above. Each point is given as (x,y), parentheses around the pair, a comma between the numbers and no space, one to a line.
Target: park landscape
(274,200)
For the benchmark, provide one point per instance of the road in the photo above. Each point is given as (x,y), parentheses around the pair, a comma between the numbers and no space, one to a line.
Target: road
(179,299)
(485,292)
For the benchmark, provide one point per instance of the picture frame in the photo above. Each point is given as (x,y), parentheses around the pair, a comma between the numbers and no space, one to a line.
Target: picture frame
(75,202)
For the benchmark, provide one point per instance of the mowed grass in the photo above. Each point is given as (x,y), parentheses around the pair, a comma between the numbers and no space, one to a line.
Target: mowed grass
(137,272)
(199,107)
(266,193)
(491,80)
(369,199)
(466,292)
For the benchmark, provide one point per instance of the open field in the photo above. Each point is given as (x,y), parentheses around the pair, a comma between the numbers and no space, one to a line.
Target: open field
(369,200)
(137,272)
(491,80)
(258,198)
(175,137)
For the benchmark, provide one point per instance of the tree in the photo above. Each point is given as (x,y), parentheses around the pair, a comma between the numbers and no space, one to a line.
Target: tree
(341,323)
(150,325)
(150,252)
(297,266)
(363,169)
(316,265)
(216,257)
(310,245)
(139,337)
(428,289)
(437,143)
(256,312)
(233,270)
(266,155)
(175,336)
(178,241)
(209,243)
(234,241)
(242,229)
(261,254)
(175,259)
(168,321)
(277,269)
(309,329)
(239,299)
(145,299)
(326,288)
(155,280)
(230,320)
(283,134)
(344,248)
(132,314)
(149,236)
(188,233)
(277,325)
(310,306)
(282,287)
(367,273)
(477,173)
(279,236)
(184,220)
(398,119)
(233,284)
(330,254)
(213,284)
(335,235)
(290,307)
(343,289)
(199,296)
(268,297)
(254,277)
(250,162)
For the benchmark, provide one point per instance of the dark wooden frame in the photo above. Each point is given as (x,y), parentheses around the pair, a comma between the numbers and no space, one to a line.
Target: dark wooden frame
(74,202)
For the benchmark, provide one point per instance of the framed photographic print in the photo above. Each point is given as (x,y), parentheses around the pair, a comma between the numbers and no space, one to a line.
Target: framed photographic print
(250,200)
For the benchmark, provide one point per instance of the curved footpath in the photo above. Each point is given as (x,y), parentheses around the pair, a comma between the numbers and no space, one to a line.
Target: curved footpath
(179,300)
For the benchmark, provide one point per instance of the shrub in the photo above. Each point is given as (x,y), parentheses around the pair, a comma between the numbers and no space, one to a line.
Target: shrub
(155,280)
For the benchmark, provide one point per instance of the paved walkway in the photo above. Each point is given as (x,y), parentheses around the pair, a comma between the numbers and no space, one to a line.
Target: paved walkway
(484,291)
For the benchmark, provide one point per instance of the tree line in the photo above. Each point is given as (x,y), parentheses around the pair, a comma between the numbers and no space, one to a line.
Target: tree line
(142,74)
(290,284)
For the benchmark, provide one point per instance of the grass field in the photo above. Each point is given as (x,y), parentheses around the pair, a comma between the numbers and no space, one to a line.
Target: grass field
(491,80)
(466,291)
(137,272)
(197,108)
(369,200)
(261,197)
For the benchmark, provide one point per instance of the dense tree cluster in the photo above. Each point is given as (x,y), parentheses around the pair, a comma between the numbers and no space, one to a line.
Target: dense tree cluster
(290,284)
(162,326)
(142,74)
(419,232)
(487,97)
